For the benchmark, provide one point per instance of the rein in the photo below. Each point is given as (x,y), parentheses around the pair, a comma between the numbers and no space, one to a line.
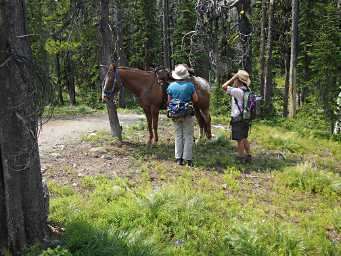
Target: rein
(111,93)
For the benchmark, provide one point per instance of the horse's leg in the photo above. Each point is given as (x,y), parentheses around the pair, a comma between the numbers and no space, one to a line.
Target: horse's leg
(155,118)
(207,123)
(208,126)
(149,121)
(200,122)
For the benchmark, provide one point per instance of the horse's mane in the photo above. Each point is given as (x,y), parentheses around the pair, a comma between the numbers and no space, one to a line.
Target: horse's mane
(135,69)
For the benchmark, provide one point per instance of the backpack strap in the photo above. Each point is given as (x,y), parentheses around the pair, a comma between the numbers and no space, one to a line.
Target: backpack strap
(236,101)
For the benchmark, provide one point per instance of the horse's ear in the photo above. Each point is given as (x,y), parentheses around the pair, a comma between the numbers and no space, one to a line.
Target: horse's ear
(111,67)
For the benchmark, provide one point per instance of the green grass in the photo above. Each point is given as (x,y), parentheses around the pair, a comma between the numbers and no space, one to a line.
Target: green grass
(68,110)
(287,202)
(83,109)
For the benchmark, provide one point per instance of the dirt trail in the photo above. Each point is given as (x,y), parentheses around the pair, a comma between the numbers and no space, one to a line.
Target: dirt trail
(69,130)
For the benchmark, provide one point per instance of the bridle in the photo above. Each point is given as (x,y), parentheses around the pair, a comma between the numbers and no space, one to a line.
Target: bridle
(110,93)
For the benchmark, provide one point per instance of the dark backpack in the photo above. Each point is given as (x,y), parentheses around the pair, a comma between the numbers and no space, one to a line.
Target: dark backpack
(249,110)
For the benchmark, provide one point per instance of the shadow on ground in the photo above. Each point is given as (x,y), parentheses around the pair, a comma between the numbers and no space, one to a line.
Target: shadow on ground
(83,238)
(217,155)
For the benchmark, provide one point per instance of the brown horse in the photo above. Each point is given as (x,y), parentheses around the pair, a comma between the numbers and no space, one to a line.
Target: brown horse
(147,87)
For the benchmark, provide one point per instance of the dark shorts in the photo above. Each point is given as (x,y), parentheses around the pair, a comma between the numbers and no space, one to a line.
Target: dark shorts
(240,130)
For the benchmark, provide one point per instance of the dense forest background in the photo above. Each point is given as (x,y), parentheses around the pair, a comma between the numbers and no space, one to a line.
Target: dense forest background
(274,40)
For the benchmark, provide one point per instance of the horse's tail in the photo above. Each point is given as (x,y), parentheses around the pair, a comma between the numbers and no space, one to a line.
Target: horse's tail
(206,121)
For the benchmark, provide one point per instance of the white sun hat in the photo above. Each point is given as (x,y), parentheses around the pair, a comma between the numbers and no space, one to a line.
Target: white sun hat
(180,72)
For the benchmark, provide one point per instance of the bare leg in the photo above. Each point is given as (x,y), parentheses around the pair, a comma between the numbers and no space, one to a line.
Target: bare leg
(240,148)
(247,147)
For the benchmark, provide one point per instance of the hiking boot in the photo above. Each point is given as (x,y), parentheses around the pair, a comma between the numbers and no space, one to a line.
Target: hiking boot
(180,161)
(241,159)
(189,163)
(248,158)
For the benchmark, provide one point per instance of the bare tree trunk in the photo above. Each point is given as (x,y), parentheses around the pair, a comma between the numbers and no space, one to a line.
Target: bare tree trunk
(59,80)
(70,78)
(116,129)
(122,55)
(166,34)
(268,85)
(262,48)
(293,61)
(286,84)
(245,29)
(23,213)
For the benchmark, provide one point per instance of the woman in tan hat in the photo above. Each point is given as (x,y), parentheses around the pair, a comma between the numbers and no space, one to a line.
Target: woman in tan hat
(240,127)
(183,91)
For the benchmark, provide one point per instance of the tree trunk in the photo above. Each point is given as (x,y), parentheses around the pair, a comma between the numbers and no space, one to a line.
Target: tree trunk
(293,61)
(286,84)
(166,34)
(122,55)
(268,85)
(59,80)
(245,29)
(70,78)
(23,213)
(262,48)
(106,33)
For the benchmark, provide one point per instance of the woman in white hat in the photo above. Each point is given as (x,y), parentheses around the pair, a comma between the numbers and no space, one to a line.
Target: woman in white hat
(240,127)
(183,90)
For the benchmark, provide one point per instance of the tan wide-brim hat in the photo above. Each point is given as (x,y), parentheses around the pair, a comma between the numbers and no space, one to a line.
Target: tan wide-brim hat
(180,72)
(244,77)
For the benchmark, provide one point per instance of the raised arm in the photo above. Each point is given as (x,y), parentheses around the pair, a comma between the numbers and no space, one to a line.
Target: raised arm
(229,82)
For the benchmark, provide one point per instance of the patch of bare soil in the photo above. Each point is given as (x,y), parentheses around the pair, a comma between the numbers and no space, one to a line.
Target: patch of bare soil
(66,159)
(68,164)
(69,130)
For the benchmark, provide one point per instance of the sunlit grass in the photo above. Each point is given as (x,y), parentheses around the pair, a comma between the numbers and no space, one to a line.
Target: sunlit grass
(287,202)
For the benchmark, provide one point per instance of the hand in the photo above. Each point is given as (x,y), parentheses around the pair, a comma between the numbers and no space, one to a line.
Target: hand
(104,98)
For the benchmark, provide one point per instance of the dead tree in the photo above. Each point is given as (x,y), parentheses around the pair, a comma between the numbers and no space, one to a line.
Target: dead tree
(293,61)
(268,83)
(106,33)
(23,210)
(245,32)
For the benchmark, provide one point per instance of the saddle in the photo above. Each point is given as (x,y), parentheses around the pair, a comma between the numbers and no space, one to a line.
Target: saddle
(164,77)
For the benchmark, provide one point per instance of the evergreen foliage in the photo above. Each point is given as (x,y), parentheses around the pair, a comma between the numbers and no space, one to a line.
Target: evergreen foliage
(60,28)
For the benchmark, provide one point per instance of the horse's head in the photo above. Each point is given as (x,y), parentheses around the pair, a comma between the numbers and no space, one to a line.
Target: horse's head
(163,75)
(109,89)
